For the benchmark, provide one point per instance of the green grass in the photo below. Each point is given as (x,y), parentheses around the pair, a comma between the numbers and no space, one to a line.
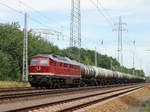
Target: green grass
(9,84)
(147,108)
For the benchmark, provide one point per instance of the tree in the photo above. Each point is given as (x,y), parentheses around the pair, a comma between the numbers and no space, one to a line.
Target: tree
(11,53)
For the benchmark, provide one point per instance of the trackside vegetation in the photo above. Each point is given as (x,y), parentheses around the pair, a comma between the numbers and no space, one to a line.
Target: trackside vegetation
(147,108)
(12,84)
(148,79)
(11,53)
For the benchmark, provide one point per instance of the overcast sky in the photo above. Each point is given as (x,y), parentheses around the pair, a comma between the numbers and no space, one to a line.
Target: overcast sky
(55,14)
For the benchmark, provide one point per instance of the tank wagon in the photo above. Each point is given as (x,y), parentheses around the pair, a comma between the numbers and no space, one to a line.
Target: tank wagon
(51,71)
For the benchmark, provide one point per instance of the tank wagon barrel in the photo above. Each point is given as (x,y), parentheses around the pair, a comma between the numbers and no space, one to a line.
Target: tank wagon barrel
(104,76)
(51,70)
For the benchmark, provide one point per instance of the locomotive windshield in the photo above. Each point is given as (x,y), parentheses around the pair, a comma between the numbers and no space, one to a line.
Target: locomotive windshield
(34,61)
(43,62)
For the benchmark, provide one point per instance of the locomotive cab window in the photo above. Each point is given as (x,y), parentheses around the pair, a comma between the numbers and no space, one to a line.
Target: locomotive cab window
(34,61)
(51,63)
(43,62)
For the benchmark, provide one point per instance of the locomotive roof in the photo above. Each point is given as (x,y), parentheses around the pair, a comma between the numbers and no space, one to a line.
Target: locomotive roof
(59,58)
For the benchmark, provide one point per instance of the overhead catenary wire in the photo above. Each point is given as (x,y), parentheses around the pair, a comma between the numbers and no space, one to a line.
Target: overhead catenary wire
(20,12)
(37,21)
(37,11)
(106,11)
(100,11)
(30,17)
(41,15)
(15,10)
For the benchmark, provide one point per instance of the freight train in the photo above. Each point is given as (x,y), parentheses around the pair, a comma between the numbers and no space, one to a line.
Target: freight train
(54,71)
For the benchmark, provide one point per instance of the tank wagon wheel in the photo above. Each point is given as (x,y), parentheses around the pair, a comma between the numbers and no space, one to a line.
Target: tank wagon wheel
(82,84)
(58,86)
(55,86)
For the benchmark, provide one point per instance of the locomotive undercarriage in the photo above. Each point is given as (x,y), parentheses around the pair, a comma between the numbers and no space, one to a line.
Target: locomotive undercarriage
(53,81)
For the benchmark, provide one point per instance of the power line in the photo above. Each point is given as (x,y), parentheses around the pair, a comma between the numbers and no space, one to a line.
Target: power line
(29,17)
(19,12)
(37,11)
(108,14)
(37,21)
(99,10)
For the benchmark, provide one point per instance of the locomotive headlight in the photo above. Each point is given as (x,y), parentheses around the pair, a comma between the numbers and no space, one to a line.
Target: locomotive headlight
(37,68)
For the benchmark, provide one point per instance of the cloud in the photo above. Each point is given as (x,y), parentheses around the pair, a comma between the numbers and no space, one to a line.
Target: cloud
(59,4)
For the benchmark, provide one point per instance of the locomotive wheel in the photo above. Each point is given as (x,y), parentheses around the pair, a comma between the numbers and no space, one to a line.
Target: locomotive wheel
(82,84)
(34,85)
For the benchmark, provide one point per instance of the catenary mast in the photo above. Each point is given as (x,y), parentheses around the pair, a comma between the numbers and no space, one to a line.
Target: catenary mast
(75,25)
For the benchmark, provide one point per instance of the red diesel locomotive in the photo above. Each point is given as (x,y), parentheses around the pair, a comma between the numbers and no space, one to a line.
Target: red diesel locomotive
(49,70)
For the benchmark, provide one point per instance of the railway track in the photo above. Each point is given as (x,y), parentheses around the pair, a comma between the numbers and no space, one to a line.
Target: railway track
(14,93)
(90,100)
(71,102)
(16,89)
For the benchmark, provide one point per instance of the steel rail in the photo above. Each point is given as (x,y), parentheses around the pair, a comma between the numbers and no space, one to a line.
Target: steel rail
(49,92)
(75,107)
(16,89)
(128,89)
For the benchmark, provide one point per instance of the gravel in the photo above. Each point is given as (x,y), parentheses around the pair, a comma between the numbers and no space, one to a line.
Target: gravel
(125,103)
